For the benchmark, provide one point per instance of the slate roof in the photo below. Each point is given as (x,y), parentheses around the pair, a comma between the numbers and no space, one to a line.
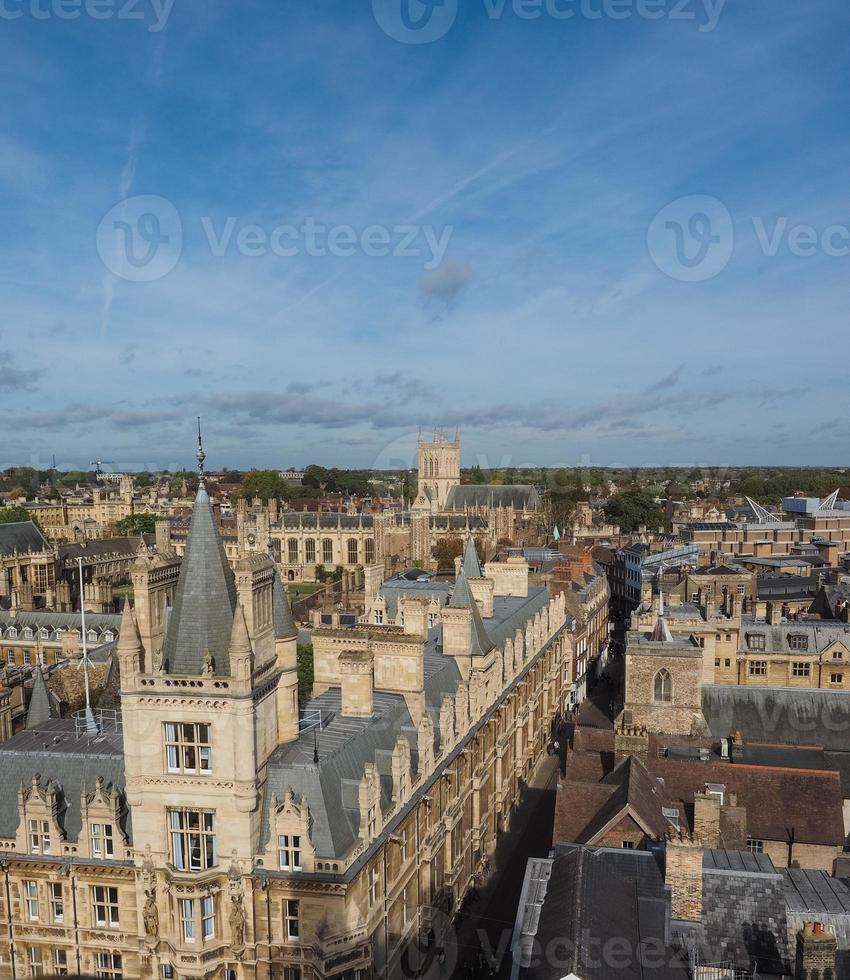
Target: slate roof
(777,714)
(99,622)
(201,618)
(743,918)
(470,564)
(22,537)
(40,708)
(586,896)
(345,745)
(54,751)
(820,635)
(518,496)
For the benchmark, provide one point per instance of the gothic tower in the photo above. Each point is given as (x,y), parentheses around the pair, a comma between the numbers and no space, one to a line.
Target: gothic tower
(439,471)
(200,720)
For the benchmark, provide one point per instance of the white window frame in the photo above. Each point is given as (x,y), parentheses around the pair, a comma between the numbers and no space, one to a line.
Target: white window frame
(105,911)
(292,919)
(32,903)
(289,852)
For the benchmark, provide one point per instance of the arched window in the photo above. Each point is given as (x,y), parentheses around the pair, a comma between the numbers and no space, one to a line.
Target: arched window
(310,551)
(292,551)
(370,551)
(352,551)
(663,686)
(327,551)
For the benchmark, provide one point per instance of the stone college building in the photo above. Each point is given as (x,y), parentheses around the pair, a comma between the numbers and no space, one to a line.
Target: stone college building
(217,829)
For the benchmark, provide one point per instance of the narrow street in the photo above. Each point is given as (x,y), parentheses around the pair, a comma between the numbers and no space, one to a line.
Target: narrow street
(488,922)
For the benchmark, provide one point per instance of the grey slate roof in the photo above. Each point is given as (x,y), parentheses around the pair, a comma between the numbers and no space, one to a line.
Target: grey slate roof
(345,745)
(22,536)
(99,622)
(40,707)
(779,714)
(812,896)
(821,634)
(205,600)
(54,751)
(470,564)
(518,496)
(743,918)
(592,895)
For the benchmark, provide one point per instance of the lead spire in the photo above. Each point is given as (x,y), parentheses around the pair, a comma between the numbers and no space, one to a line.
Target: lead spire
(201,454)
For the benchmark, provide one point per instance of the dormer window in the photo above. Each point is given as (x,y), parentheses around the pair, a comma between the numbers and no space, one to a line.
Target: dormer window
(289,852)
(39,836)
(101,841)
(108,636)
(756,641)
(27,633)
(12,633)
(92,635)
(798,641)
(44,633)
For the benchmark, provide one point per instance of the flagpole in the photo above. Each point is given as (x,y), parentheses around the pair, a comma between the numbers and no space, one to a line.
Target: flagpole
(91,726)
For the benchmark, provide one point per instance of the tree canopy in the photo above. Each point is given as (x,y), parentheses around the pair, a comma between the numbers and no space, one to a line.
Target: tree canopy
(137,524)
(633,508)
(265,484)
(15,514)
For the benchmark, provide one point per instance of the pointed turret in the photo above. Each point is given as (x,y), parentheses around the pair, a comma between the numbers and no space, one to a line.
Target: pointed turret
(240,653)
(471,565)
(284,624)
(130,654)
(462,598)
(41,707)
(202,616)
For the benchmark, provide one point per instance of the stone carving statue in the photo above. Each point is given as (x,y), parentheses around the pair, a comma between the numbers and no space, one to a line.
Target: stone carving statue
(151,915)
(209,664)
(237,921)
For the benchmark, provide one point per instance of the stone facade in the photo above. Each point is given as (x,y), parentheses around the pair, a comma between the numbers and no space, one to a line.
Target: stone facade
(247,839)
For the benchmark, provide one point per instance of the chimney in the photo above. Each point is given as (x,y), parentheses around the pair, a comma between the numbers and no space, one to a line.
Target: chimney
(631,741)
(816,948)
(683,873)
(707,818)
(355,675)
(774,613)
(415,611)
(457,625)
(737,747)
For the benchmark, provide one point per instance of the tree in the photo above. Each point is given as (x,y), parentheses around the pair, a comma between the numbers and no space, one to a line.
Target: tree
(265,484)
(15,514)
(633,508)
(136,524)
(446,550)
(305,671)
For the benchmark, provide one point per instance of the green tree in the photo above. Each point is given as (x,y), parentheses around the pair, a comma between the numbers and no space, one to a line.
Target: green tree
(15,514)
(136,524)
(305,671)
(633,508)
(265,484)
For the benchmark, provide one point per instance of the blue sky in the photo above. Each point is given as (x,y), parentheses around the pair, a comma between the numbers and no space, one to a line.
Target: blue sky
(558,321)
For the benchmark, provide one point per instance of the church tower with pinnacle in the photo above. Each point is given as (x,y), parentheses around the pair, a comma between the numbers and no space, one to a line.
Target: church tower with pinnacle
(439,471)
